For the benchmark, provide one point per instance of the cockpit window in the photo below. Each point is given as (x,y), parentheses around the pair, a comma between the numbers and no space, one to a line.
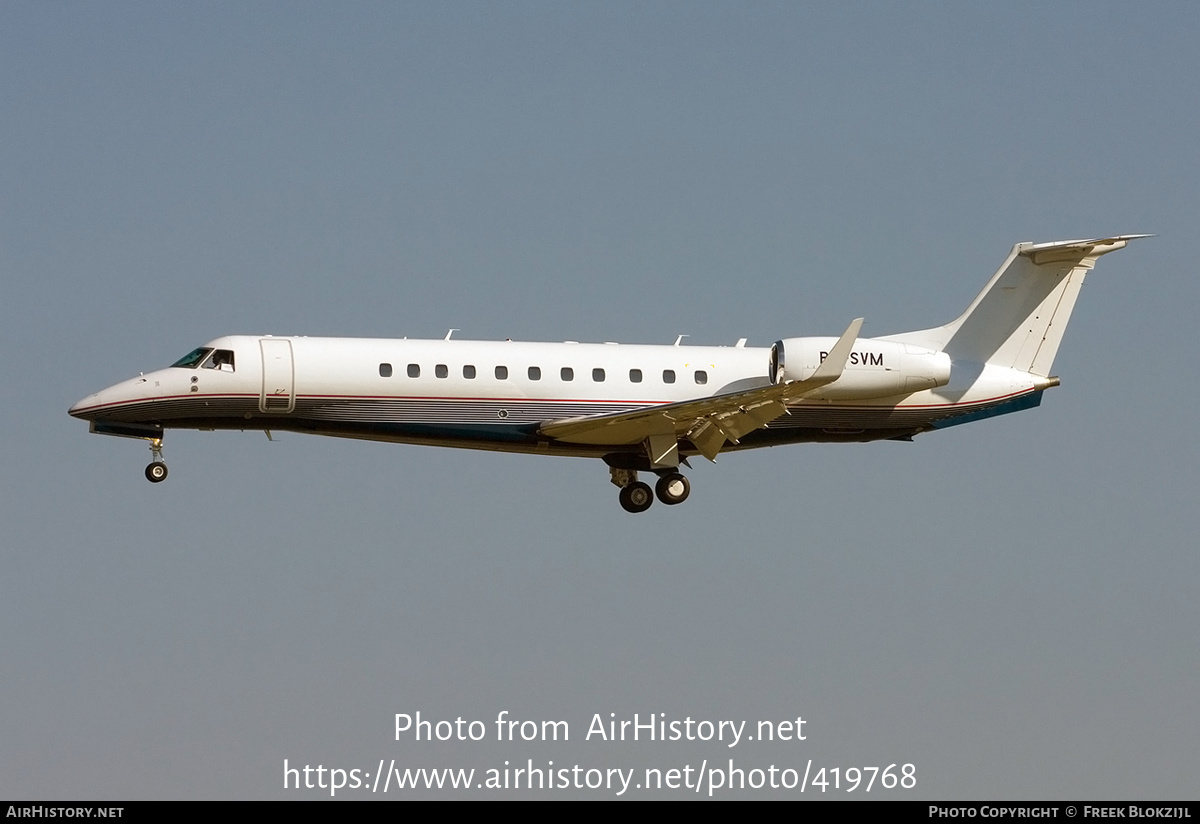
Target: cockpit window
(220,359)
(192,359)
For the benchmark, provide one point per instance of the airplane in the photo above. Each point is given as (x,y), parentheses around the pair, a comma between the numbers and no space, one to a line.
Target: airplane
(639,408)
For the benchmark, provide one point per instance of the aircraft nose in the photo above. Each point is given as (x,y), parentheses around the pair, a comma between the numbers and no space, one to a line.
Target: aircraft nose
(84,408)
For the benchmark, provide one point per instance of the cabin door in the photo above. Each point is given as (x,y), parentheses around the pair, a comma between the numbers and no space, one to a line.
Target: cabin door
(279,376)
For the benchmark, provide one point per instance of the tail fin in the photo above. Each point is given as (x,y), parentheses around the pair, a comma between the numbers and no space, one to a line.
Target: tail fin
(1019,318)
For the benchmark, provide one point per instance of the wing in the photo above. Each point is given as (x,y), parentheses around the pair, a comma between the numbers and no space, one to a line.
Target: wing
(706,422)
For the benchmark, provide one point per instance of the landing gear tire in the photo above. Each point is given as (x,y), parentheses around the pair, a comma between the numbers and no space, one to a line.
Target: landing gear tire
(156,472)
(672,489)
(636,497)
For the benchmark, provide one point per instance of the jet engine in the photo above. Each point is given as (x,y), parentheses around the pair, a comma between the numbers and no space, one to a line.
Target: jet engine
(875,368)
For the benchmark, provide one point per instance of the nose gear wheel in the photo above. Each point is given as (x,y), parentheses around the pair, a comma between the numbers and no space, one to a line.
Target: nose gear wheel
(156,472)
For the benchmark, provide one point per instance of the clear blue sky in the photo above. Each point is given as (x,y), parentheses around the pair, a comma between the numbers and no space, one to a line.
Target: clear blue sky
(1010,605)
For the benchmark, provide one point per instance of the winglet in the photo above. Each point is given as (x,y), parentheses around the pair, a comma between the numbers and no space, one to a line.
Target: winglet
(835,362)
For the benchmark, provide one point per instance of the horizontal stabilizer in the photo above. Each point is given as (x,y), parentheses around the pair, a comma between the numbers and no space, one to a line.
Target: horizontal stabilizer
(1042,251)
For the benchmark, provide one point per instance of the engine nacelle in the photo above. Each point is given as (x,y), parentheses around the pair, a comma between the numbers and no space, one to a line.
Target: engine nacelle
(875,369)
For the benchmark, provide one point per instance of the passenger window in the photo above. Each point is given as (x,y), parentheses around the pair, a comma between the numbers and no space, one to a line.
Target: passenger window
(414,370)
(501,373)
(469,372)
(598,375)
(567,373)
(441,370)
(535,373)
(635,375)
(668,376)
(701,376)
(385,370)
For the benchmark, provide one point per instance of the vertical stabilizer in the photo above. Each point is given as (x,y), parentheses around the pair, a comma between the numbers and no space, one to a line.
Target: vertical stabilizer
(1018,319)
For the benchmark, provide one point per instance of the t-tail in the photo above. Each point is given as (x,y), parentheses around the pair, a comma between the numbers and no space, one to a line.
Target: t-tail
(1018,320)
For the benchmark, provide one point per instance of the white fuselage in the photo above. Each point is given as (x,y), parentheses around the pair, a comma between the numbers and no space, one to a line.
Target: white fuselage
(495,394)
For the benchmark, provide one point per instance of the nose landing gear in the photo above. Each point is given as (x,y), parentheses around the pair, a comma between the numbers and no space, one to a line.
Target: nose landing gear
(156,472)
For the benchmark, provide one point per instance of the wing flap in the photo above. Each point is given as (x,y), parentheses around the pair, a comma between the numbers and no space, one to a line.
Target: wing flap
(707,437)
(749,417)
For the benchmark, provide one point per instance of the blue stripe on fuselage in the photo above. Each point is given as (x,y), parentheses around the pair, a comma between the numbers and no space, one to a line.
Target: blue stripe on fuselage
(1028,401)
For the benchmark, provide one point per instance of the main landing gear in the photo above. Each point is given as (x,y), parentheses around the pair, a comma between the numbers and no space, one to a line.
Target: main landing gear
(636,496)
(672,488)
(156,472)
